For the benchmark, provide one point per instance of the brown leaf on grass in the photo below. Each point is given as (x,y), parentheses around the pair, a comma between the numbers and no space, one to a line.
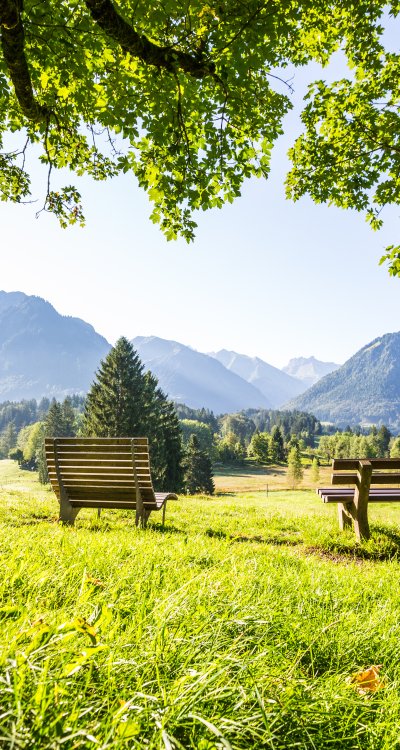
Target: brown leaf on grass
(95,581)
(368,680)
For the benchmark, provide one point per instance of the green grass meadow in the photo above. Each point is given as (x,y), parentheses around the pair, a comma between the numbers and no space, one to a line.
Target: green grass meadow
(237,626)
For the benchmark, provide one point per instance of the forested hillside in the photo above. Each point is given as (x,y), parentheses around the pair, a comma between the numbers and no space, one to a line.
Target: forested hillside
(43,353)
(365,390)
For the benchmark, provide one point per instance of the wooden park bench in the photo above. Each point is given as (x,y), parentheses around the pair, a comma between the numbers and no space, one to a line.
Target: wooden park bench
(375,480)
(103,473)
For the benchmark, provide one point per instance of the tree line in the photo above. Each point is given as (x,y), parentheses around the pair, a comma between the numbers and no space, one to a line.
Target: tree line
(184,442)
(123,400)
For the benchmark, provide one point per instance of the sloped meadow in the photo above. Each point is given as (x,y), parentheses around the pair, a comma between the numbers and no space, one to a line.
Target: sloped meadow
(243,624)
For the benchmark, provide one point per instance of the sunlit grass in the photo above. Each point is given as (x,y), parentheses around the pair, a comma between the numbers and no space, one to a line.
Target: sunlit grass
(237,626)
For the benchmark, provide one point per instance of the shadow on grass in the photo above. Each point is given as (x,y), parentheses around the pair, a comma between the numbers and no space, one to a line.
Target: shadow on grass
(32,520)
(166,529)
(383,545)
(255,538)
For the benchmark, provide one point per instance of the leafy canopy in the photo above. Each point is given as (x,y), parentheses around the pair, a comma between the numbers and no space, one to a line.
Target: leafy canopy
(190,97)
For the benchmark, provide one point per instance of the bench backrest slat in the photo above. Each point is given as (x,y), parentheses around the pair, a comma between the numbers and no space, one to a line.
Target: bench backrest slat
(352,464)
(94,468)
(348,471)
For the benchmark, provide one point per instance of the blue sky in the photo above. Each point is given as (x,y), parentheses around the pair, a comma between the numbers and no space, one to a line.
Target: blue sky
(264,276)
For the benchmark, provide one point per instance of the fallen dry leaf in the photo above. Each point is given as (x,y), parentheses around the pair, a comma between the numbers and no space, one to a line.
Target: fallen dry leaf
(368,680)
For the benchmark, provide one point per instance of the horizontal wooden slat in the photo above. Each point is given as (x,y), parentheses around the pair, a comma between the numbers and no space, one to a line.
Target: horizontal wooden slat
(101,471)
(344,478)
(67,450)
(80,460)
(87,483)
(112,505)
(346,490)
(343,464)
(378,498)
(382,478)
(95,440)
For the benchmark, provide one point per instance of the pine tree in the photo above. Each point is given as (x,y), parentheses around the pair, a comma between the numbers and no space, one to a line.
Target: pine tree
(55,425)
(197,469)
(384,436)
(69,418)
(115,403)
(295,469)
(277,451)
(172,434)
(126,402)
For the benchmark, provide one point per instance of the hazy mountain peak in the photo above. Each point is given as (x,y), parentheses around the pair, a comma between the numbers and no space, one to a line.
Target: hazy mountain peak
(273,383)
(309,369)
(10,299)
(197,379)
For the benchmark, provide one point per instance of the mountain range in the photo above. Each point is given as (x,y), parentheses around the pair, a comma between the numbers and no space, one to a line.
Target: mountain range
(43,353)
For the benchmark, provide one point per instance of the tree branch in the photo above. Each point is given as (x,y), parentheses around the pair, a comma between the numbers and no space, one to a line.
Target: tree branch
(12,43)
(138,45)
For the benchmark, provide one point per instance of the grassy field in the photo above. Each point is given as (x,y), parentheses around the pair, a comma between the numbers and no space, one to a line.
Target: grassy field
(238,626)
(250,478)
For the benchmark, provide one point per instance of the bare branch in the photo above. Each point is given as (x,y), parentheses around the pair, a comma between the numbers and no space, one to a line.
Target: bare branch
(138,45)
(12,43)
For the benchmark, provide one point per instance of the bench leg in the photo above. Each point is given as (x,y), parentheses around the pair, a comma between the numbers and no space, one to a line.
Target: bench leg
(142,517)
(345,517)
(67,512)
(361,525)
(163,514)
(361,497)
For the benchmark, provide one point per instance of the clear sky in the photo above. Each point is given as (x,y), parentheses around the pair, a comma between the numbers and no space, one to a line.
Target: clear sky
(265,277)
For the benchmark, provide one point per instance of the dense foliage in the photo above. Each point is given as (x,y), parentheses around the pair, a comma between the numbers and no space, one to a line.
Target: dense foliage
(300,423)
(349,444)
(190,97)
(22,413)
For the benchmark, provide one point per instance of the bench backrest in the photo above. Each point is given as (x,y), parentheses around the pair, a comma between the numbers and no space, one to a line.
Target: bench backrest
(351,470)
(99,468)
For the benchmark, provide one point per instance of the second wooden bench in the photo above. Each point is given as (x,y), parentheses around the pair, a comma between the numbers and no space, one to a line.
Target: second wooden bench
(374,480)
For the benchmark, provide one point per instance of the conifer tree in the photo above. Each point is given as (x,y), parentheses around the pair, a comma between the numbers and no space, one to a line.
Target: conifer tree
(54,424)
(69,418)
(172,434)
(277,445)
(197,469)
(126,402)
(115,404)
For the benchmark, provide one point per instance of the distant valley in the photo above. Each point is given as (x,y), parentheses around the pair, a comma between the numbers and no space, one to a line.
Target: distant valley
(43,353)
